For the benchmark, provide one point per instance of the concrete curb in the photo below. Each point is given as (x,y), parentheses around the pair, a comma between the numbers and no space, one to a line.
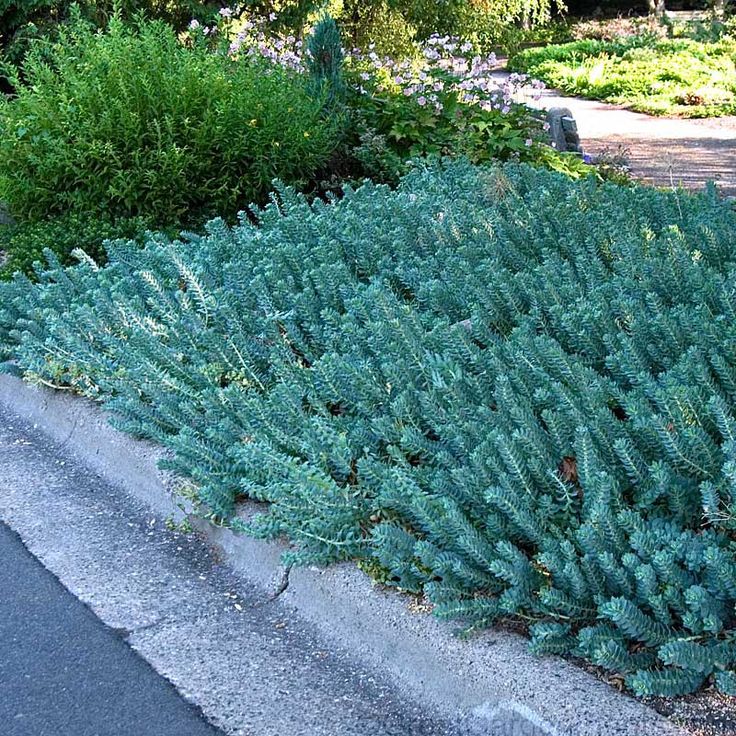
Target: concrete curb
(491,683)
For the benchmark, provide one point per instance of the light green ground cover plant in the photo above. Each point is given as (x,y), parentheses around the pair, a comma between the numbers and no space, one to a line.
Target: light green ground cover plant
(508,389)
(658,76)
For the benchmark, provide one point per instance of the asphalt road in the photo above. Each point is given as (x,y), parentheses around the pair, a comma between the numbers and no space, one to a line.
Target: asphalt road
(255,666)
(64,673)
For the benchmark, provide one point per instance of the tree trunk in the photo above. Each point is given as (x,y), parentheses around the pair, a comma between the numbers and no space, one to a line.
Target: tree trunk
(656,7)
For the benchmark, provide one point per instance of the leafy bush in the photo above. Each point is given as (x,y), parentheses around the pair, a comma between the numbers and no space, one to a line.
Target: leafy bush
(391,26)
(22,245)
(616,29)
(25,21)
(512,390)
(672,77)
(483,21)
(133,123)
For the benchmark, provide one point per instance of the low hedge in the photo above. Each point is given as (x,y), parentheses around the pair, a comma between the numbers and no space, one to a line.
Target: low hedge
(510,390)
(23,245)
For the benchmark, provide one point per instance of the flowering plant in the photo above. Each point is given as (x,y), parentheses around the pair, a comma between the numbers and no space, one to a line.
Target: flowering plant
(446,101)
(239,34)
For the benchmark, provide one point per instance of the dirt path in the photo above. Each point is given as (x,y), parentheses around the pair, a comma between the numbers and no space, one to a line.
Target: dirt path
(661,151)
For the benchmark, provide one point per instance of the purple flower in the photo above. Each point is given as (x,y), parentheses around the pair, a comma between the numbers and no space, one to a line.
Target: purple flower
(422,100)
(193,24)
(226,12)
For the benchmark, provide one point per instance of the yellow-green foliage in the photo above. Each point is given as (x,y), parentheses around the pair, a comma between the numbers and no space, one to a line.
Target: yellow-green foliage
(130,122)
(662,77)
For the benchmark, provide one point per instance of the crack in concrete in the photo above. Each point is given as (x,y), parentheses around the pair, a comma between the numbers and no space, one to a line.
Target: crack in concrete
(281,588)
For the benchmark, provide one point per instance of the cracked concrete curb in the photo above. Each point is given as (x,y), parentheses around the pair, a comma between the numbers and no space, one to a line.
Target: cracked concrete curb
(491,684)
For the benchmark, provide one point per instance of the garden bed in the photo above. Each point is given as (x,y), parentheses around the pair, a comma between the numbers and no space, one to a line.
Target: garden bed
(462,384)
(680,77)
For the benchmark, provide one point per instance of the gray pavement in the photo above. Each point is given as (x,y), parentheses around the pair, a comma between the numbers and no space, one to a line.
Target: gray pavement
(254,666)
(64,673)
(333,655)
(659,150)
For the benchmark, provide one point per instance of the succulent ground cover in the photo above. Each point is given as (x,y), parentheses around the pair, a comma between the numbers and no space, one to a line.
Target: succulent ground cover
(497,385)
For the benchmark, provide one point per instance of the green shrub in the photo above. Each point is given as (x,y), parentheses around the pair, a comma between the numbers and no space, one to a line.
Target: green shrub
(671,77)
(23,245)
(132,123)
(326,60)
(391,26)
(27,20)
(510,389)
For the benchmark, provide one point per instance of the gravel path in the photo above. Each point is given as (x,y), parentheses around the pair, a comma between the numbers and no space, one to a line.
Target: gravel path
(660,151)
